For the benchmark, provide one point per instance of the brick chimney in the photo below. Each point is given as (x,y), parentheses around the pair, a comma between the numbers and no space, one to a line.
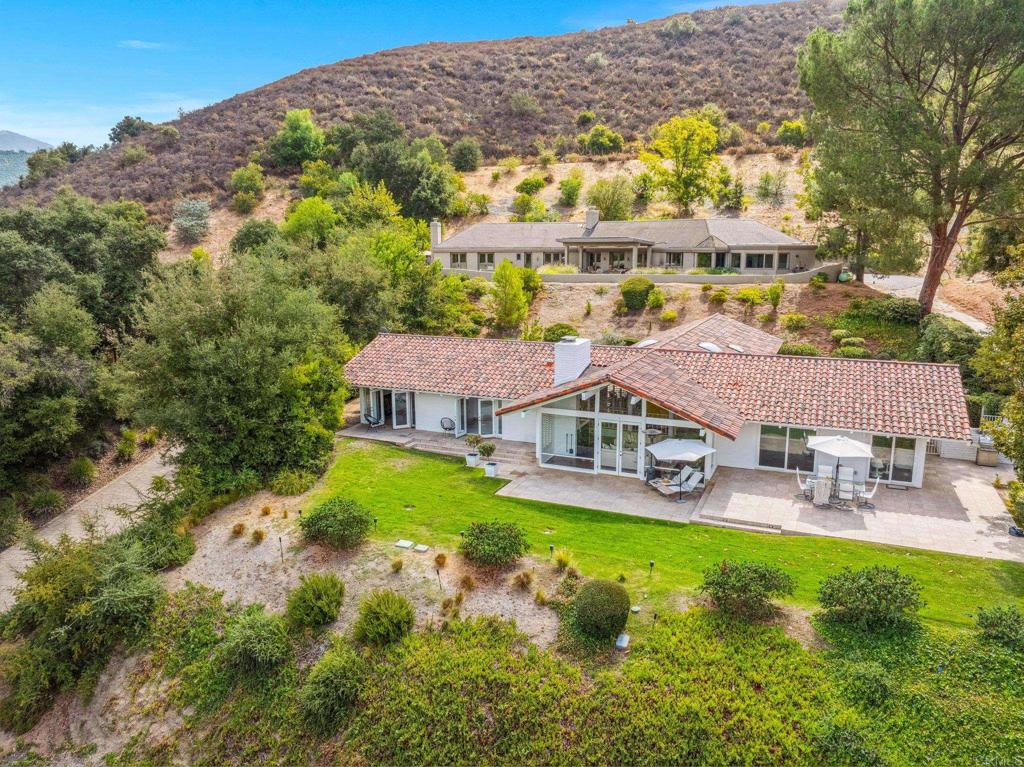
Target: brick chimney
(591,220)
(436,232)
(572,357)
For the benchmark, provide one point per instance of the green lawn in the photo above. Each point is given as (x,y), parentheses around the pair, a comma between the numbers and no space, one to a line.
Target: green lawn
(430,498)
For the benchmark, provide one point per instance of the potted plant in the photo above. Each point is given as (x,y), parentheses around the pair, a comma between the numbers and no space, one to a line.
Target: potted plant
(472,442)
(486,449)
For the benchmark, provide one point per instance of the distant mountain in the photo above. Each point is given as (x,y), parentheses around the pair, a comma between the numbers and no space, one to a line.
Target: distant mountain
(742,58)
(15,142)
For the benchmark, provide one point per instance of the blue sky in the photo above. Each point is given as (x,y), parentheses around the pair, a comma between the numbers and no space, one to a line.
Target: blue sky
(70,70)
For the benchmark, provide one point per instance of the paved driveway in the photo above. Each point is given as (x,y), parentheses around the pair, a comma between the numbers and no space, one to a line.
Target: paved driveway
(126,490)
(957,510)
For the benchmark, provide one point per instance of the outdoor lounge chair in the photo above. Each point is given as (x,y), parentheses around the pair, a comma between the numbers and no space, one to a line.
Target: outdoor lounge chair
(674,481)
(374,423)
(864,499)
(686,487)
(806,485)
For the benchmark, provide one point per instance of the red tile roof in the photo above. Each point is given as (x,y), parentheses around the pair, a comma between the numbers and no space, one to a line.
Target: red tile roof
(720,330)
(719,390)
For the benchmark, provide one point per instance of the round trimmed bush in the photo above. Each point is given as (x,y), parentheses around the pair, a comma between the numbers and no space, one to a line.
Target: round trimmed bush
(339,523)
(81,472)
(384,617)
(602,608)
(634,292)
(558,331)
(839,334)
(494,543)
(793,321)
(255,642)
(332,688)
(853,352)
(669,315)
(746,589)
(315,602)
(873,597)
(852,341)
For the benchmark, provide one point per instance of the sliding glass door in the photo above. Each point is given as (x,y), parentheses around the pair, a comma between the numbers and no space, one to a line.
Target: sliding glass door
(620,448)
(476,416)
(893,458)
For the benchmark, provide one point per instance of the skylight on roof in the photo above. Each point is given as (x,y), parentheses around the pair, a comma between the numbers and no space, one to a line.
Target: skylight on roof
(709,347)
(737,348)
(646,342)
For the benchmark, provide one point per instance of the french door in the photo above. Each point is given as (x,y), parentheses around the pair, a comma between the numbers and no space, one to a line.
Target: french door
(403,409)
(620,448)
(476,416)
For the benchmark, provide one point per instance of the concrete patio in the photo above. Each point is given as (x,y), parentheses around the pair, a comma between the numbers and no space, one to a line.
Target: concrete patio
(956,511)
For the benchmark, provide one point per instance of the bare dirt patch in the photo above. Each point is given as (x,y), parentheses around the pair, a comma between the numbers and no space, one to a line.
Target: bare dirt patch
(225,223)
(977,296)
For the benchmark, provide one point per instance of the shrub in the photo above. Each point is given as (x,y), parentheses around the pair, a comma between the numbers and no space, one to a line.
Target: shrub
(873,597)
(255,643)
(531,185)
(774,292)
(81,472)
(339,523)
(465,155)
(332,688)
(839,334)
(706,287)
(149,437)
(852,352)
(125,450)
(486,449)
(799,349)
(132,155)
(678,28)
(494,543)
(523,104)
(466,582)
(292,482)
(191,220)
(655,299)
(479,203)
(523,580)
(243,202)
(600,140)
(794,321)
(851,341)
(248,180)
(257,536)
(299,140)
(569,188)
(440,560)
(669,315)
(397,564)
(562,559)
(1004,625)
(495,175)
(315,602)
(585,118)
(558,331)
(792,133)
(601,609)
(634,292)
(718,296)
(238,529)
(771,187)
(252,234)
(944,339)
(509,164)
(899,311)
(867,683)
(750,296)
(745,589)
(10,522)
(384,617)
(596,60)
(45,500)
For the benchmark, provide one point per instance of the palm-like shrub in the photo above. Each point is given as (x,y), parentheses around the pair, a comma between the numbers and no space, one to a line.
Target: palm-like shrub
(384,617)
(601,609)
(339,523)
(315,602)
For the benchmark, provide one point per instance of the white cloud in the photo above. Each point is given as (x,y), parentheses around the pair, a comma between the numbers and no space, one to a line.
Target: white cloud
(140,45)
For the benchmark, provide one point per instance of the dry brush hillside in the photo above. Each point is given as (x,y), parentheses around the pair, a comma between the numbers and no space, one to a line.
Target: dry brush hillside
(742,58)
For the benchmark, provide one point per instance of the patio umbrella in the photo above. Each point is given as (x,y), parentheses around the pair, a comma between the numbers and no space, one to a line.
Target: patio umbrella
(839,447)
(686,450)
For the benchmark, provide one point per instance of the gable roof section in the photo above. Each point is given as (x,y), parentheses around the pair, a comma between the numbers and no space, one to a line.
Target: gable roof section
(720,330)
(664,234)
(718,390)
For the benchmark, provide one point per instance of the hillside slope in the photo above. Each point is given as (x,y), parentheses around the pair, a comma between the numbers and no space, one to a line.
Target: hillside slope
(742,58)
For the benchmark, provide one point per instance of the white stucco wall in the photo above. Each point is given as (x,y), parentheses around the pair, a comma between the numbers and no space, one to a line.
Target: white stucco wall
(521,426)
(741,453)
(431,408)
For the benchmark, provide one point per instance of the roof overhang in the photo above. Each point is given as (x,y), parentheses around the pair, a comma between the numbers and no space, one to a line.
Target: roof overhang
(598,241)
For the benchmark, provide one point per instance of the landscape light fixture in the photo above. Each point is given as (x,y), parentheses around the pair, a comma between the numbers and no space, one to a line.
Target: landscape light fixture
(651,566)
(551,549)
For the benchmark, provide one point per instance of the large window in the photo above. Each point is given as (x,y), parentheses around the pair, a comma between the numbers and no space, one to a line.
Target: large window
(567,441)
(655,434)
(894,458)
(783,261)
(458,260)
(704,260)
(657,411)
(759,260)
(617,258)
(485,262)
(784,447)
(583,401)
(553,258)
(620,402)
(673,258)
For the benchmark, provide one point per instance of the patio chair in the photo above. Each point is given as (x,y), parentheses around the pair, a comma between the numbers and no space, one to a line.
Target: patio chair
(448,426)
(864,499)
(844,492)
(806,485)
(374,422)
(675,480)
(845,473)
(686,487)
(825,471)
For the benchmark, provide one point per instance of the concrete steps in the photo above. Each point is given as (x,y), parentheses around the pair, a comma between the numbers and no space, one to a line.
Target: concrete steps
(745,524)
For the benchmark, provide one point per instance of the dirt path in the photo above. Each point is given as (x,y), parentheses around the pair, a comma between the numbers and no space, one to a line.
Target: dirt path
(128,489)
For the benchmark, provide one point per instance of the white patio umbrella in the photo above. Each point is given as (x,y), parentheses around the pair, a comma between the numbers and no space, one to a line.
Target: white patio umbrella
(839,447)
(685,450)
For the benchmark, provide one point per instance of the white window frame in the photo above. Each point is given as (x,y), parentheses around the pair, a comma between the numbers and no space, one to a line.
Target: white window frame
(458,260)
(485,262)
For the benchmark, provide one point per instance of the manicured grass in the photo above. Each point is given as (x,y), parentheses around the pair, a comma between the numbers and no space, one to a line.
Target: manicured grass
(429,499)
